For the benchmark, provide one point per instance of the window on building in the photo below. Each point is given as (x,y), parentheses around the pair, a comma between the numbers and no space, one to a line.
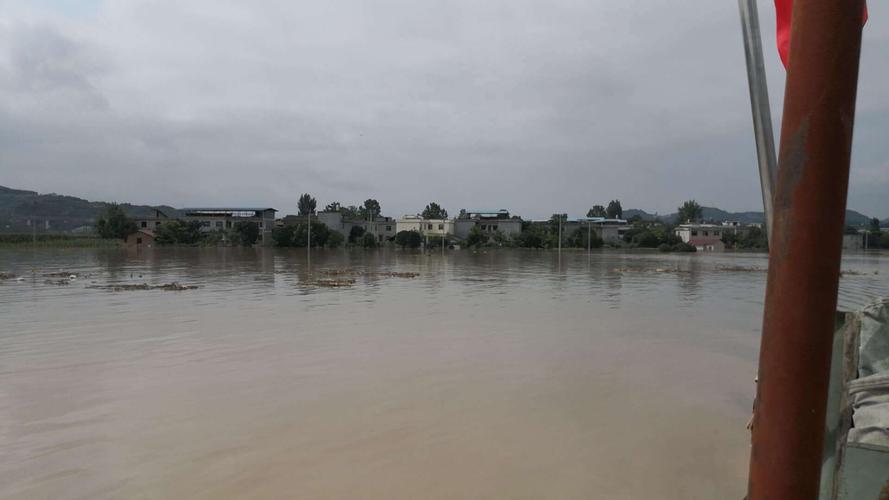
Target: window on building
(219,223)
(484,227)
(205,223)
(429,226)
(694,232)
(157,224)
(144,224)
(388,228)
(228,223)
(138,241)
(260,225)
(494,227)
(706,233)
(441,227)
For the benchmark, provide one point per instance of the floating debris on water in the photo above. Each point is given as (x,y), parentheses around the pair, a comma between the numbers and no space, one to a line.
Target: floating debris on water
(170,287)
(358,272)
(333,283)
(7,276)
(741,269)
(343,272)
(852,272)
(62,274)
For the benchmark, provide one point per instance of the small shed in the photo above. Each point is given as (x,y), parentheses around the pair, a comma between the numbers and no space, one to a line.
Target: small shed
(707,243)
(142,238)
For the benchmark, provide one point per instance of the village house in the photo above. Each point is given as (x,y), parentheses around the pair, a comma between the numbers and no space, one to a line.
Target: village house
(426,227)
(707,243)
(153,221)
(383,228)
(488,221)
(688,231)
(142,238)
(609,230)
(223,219)
(705,237)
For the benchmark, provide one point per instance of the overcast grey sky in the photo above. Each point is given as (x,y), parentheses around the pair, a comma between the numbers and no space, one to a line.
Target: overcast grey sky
(535,106)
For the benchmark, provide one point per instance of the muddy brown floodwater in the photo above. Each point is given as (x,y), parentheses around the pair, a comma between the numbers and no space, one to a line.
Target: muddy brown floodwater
(505,374)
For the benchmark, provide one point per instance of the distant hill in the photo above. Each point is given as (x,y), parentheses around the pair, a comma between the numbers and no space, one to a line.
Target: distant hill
(642,214)
(712,214)
(56,213)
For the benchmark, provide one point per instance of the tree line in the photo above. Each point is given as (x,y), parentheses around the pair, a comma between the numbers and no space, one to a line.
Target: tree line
(642,234)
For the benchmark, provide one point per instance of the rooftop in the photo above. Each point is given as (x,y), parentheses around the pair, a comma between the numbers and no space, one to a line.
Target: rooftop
(227,211)
(704,240)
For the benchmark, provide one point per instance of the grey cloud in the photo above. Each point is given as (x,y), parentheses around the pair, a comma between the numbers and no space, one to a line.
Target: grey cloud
(531,106)
(45,63)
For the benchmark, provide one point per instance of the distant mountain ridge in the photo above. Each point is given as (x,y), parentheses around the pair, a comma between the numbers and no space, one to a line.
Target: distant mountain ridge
(66,213)
(853,217)
(55,212)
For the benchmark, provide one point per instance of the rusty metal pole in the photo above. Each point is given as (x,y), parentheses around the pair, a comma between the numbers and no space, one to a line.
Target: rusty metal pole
(801,296)
(759,106)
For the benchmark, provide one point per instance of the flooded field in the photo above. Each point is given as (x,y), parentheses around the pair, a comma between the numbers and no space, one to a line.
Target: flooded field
(211,373)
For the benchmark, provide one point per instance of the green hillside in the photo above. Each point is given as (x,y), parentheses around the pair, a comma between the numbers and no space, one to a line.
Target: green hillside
(56,213)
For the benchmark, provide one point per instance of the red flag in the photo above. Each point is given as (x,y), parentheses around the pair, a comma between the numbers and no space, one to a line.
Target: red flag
(784,11)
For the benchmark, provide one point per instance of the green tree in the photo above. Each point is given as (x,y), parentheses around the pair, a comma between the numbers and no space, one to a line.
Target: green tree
(578,239)
(614,210)
(874,225)
(333,207)
(355,234)
(408,239)
(434,211)
(335,239)
(114,223)
(351,212)
(296,235)
(370,209)
(320,233)
(246,232)
(690,211)
(283,236)
(368,241)
(436,241)
(597,211)
(530,238)
(177,232)
(306,204)
(476,238)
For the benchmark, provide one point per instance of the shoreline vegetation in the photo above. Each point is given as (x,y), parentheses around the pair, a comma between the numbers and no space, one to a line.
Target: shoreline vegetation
(56,240)
(113,228)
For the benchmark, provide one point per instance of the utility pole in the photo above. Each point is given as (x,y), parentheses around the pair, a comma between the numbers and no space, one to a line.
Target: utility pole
(309,239)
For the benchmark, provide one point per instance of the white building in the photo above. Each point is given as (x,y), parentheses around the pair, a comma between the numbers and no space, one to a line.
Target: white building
(488,222)
(705,237)
(688,231)
(426,227)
